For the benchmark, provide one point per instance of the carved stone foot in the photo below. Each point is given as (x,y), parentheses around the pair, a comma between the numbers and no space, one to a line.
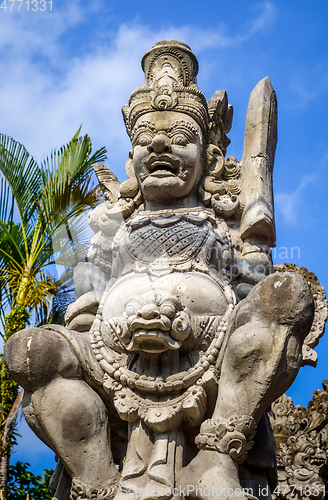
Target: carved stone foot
(212,475)
(81,491)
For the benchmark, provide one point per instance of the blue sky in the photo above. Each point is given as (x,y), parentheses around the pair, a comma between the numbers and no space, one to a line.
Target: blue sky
(79,63)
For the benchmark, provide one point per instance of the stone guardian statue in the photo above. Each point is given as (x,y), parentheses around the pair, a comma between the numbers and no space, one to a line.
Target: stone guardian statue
(182,335)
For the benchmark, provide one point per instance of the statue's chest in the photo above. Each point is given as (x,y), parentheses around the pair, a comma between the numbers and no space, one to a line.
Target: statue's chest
(174,240)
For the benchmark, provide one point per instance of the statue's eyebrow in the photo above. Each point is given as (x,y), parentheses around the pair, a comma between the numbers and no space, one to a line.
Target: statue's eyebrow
(182,124)
(145,124)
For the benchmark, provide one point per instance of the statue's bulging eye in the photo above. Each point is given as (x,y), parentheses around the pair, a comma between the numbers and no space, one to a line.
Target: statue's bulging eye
(167,310)
(181,135)
(143,139)
(132,307)
(180,139)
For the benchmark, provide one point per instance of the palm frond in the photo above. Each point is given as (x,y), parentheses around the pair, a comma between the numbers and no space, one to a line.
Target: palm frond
(67,171)
(21,175)
(51,202)
(37,285)
(11,242)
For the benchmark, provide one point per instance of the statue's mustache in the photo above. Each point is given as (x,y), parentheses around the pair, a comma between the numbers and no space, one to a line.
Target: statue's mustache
(162,323)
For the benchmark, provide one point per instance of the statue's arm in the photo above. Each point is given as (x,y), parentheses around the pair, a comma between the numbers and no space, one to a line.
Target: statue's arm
(90,284)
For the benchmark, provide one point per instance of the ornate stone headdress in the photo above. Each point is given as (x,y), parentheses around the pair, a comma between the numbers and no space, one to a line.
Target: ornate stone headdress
(170,84)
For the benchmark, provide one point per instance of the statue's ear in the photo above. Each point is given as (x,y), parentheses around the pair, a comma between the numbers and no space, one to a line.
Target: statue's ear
(130,187)
(129,166)
(215,161)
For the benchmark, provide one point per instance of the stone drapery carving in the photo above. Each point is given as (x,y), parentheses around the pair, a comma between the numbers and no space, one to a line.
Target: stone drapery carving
(181,335)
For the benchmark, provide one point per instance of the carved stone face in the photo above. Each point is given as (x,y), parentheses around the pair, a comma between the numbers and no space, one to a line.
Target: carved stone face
(156,321)
(167,155)
(156,314)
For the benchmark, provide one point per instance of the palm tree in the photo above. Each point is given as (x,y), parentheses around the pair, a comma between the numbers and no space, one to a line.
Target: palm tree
(36,203)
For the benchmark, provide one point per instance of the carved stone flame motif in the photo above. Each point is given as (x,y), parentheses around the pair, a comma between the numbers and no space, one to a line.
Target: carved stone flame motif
(301,436)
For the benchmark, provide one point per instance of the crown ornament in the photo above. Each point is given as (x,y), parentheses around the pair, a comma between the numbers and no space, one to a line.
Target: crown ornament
(171,69)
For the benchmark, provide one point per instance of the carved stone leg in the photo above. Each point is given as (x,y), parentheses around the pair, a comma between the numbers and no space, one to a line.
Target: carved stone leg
(262,358)
(264,351)
(75,419)
(33,420)
(212,475)
(64,410)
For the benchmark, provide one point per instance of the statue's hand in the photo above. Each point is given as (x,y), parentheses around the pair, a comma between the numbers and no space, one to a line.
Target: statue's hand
(251,271)
(81,313)
(248,272)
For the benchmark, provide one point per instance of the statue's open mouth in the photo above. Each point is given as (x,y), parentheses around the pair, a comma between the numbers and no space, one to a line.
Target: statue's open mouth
(163,165)
(317,461)
(152,341)
(162,170)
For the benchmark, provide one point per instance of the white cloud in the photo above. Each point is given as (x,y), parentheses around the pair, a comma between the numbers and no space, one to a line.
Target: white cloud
(267,14)
(46,93)
(307,85)
(27,34)
(288,204)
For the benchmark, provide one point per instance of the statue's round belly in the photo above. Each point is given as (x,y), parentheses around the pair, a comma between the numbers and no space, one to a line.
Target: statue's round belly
(196,291)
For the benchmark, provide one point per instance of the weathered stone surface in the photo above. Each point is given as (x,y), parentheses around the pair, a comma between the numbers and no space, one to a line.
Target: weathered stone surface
(181,335)
(257,163)
(310,357)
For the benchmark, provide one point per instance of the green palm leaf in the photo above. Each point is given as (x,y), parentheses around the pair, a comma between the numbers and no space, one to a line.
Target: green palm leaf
(20,180)
(66,177)
(46,198)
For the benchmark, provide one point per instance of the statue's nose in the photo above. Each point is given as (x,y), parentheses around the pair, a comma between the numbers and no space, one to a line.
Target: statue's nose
(159,144)
(149,311)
